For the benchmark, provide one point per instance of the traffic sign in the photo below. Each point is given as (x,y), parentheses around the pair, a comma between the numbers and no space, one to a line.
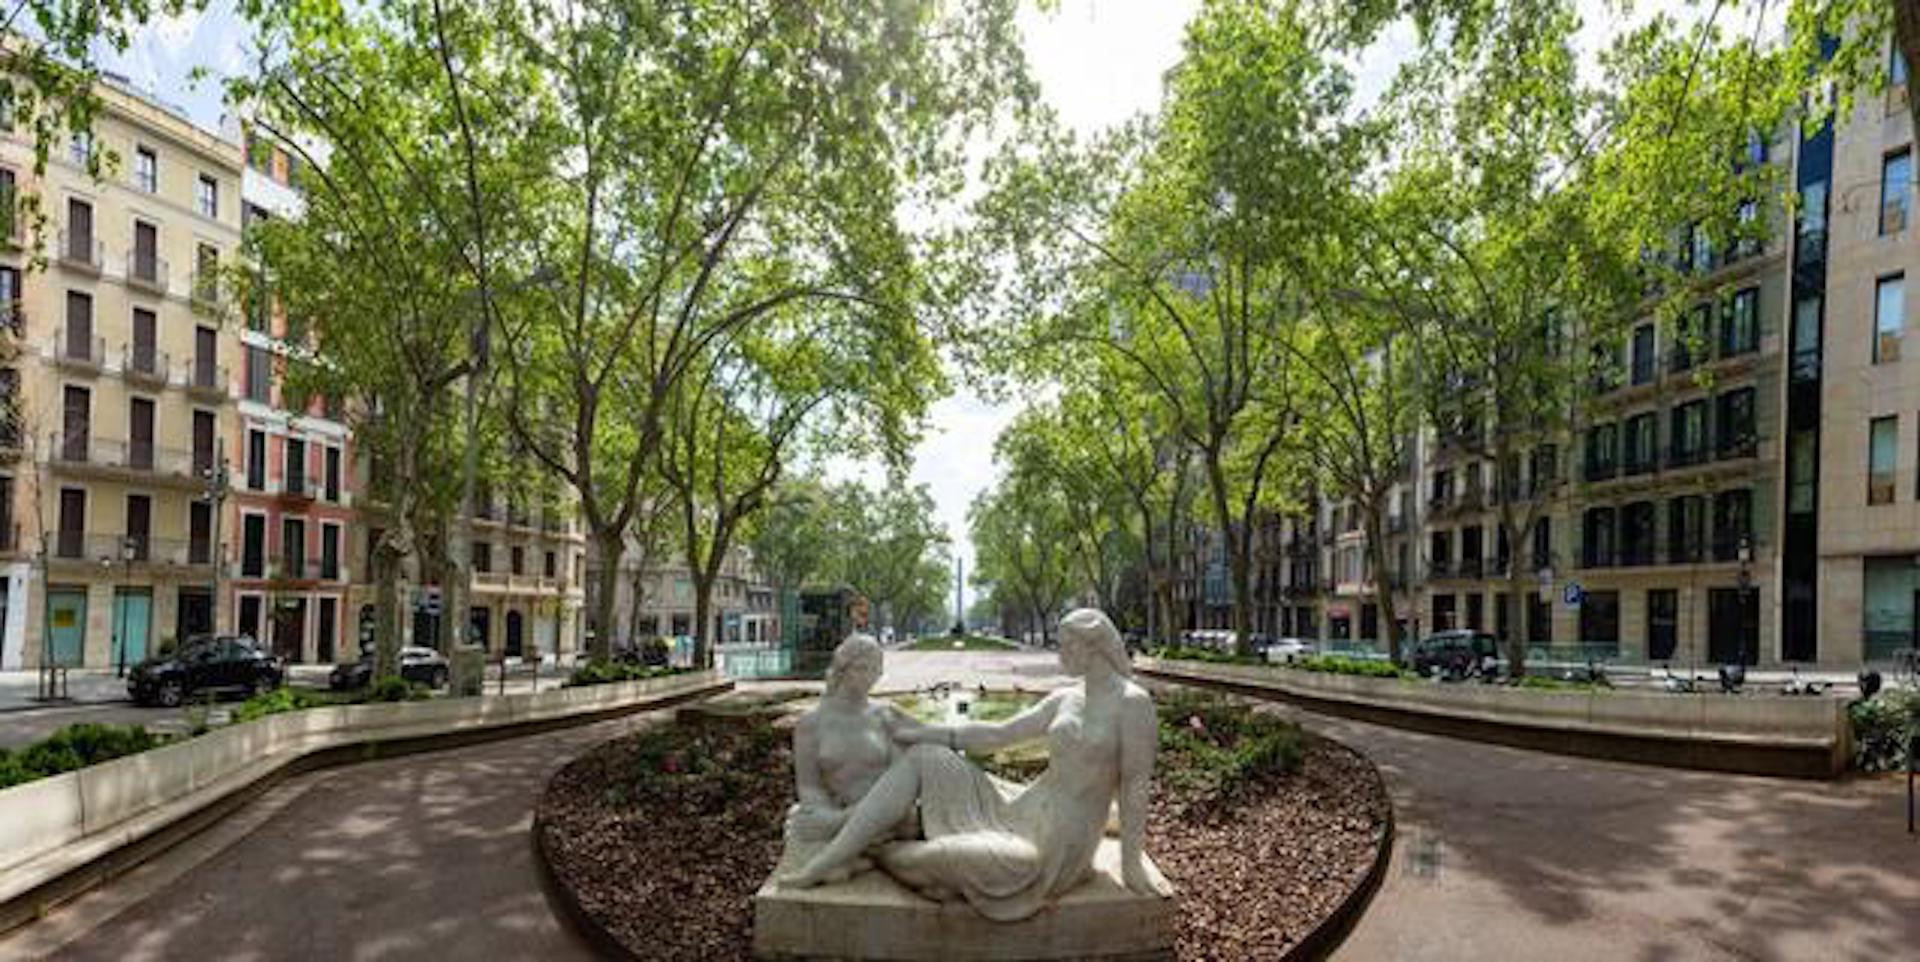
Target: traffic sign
(1573,595)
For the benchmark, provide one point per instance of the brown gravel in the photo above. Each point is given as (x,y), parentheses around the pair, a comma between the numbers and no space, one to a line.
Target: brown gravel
(669,865)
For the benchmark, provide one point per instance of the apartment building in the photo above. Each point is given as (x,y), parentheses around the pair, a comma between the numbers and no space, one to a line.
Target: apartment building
(117,379)
(529,586)
(654,598)
(290,514)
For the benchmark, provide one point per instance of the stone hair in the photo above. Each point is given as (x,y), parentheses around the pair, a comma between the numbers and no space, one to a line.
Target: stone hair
(1092,628)
(855,649)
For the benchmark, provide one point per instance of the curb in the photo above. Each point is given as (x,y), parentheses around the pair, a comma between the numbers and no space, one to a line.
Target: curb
(30,905)
(1334,929)
(561,897)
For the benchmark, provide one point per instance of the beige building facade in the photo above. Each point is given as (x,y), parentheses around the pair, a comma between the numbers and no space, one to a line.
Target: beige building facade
(119,385)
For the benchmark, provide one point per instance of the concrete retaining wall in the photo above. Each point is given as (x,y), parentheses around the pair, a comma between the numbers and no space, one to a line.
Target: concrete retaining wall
(54,827)
(1804,737)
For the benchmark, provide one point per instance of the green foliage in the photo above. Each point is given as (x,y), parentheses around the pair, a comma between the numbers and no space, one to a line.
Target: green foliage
(1212,749)
(395,688)
(1338,665)
(1882,726)
(1210,655)
(71,748)
(965,643)
(288,698)
(696,768)
(608,672)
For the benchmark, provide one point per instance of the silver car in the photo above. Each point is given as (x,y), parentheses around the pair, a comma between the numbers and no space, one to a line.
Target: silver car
(1286,650)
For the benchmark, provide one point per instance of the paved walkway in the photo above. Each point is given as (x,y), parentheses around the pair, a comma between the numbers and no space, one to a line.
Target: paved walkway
(1503,854)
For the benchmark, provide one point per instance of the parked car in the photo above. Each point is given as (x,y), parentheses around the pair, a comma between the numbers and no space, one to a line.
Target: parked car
(422,666)
(215,664)
(1287,650)
(1459,653)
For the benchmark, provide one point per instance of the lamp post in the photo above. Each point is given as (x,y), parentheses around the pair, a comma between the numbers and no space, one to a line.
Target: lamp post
(1745,555)
(128,551)
(215,483)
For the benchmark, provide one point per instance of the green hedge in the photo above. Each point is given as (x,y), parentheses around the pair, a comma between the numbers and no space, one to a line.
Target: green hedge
(608,672)
(1339,665)
(1881,727)
(1214,747)
(1189,653)
(73,747)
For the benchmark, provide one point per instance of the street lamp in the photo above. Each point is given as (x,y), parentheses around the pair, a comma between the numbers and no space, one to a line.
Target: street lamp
(128,551)
(215,483)
(1744,553)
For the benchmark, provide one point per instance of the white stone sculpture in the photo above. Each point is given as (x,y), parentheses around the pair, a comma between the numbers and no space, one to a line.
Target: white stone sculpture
(1009,853)
(841,748)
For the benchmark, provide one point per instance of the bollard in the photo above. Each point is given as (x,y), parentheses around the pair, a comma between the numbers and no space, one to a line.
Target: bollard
(1913,748)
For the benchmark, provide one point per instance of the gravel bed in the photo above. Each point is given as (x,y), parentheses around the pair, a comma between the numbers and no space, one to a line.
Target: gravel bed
(669,865)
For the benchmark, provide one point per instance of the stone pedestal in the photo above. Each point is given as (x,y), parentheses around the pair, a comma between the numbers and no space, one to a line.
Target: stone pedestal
(873,917)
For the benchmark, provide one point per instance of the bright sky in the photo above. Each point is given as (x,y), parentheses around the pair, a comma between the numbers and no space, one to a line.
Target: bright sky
(1098,63)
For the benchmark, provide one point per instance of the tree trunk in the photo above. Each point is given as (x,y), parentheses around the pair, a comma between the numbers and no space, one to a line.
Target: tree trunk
(1236,557)
(612,547)
(639,604)
(1382,578)
(1516,621)
(702,621)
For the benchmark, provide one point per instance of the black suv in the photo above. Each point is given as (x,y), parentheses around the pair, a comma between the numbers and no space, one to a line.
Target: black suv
(1456,654)
(224,664)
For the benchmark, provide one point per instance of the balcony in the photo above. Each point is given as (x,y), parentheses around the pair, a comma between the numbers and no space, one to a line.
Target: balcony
(298,487)
(81,452)
(289,566)
(1737,446)
(144,365)
(1595,471)
(1396,524)
(1469,568)
(81,252)
(1440,569)
(1688,455)
(1643,463)
(205,379)
(79,350)
(124,549)
(147,272)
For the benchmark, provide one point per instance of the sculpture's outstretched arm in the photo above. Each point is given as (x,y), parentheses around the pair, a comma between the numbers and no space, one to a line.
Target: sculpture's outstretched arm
(1139,739)
(1026,726)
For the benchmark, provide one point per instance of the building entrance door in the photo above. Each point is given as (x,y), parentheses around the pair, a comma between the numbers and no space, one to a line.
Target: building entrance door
(516,630)
(193,613)
(290,629)
(66,626)
(328,627)
(132,621)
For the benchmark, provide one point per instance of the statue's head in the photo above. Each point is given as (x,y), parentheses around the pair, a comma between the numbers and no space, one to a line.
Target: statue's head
(856,664)
(1087,635)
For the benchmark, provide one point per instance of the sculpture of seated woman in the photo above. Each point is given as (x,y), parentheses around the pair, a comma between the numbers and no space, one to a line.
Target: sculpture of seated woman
(842,747)
(1009,854)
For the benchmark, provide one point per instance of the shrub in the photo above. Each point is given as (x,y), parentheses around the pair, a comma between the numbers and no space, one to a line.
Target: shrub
(73,747)
(1190,653)
(285,699)
(396,688)
(1214,748)
(1338,665)
(608,672)
(1882,726)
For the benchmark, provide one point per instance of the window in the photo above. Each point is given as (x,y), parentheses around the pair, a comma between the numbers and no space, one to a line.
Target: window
(1811,246)
(1734,421)
(78,344)
(1882,449)
(517,560)
(1690,337)
(146,355)
(80,148)
(203,427)
(1597,534)
(206,273)
(259,374)
(79,240)
(1602,445)
(1686,528)
(199,533)
(146,169)
(253,545)
(1600,618)
(207,197)
(1688,435)
(257,460)
(1543,543)
(1896,186)
(293,548)
(1643,354)
(1889,317)
(1802,472)
(1636,533)
(259,153)
(146,253)
(333,474)
(296,466)
(1806,339)
(9,205)
(330,551)
(553,563)
(1643,444)
(482,556)
(206,373)
(1896,67)
(139,527)
(76,422)
(1546,467)
(1740,325)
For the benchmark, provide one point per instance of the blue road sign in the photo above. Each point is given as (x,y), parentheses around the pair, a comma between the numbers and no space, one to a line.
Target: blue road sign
(1574,595)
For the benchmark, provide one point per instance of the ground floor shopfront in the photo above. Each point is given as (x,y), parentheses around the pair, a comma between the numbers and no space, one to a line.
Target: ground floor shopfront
(98,616)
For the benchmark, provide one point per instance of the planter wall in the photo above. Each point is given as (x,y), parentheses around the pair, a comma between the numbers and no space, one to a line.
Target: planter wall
(1803,737)
(55,827)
